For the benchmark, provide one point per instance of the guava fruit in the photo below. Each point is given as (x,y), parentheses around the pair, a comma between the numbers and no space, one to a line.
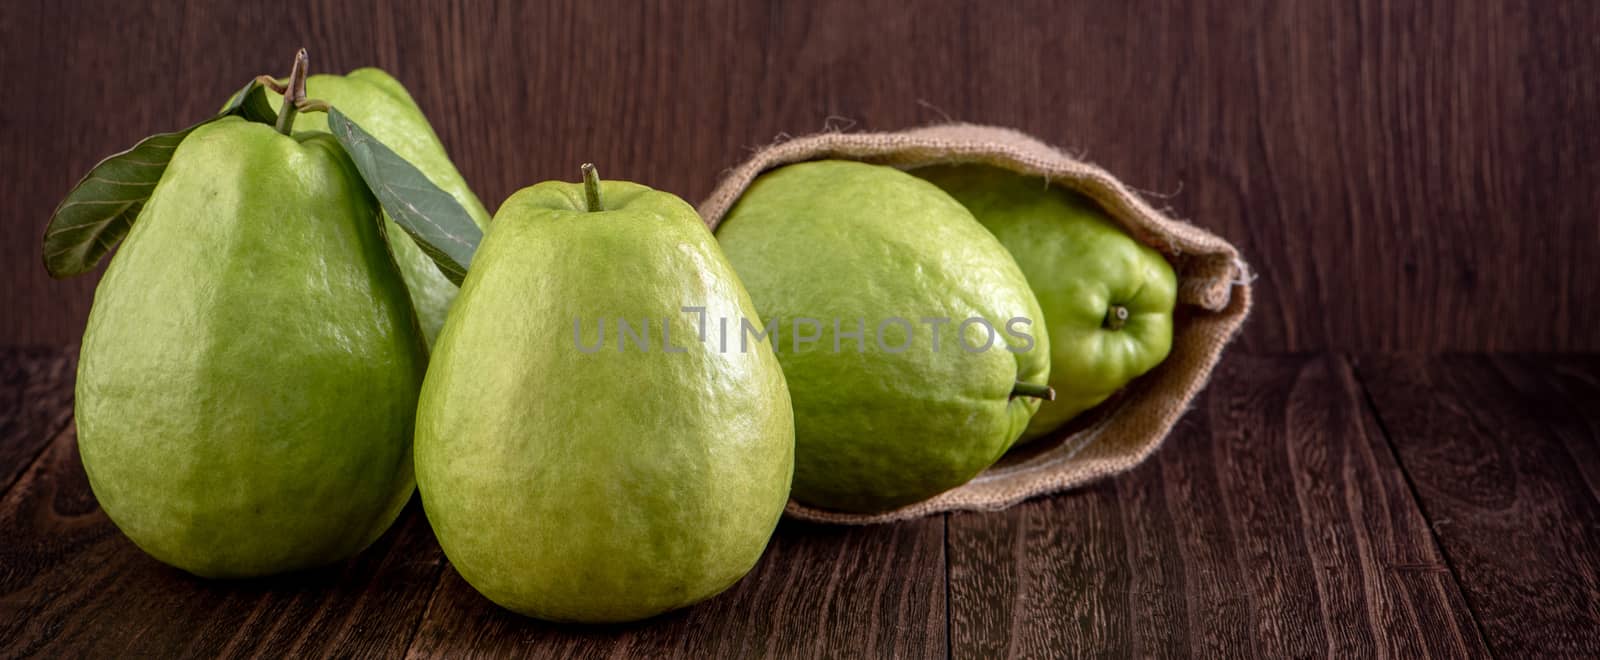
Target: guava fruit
(1107,298)
(249,375)
(576,470)
(906,410)
(381,105)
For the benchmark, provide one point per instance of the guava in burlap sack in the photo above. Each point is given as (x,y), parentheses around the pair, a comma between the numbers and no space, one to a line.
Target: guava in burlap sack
(1213,299)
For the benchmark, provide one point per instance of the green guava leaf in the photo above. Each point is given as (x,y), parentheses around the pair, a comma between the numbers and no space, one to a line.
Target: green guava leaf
(98,212)
(251,103)
(431,216)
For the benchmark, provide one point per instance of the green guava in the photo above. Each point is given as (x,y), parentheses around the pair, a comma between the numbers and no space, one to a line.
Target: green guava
(1107,298)
(381,106)
(250,370)
(898,284)
(575,470)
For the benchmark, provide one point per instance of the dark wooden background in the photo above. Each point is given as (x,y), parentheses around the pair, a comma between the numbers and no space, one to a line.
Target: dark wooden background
(1406,176)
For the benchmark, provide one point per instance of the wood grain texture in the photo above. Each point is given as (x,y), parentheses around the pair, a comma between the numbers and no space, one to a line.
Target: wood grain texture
(1405,176)
(1501,462)
(1283,517)
(1275,522)
(819,591)
(35,405)
(1563,393)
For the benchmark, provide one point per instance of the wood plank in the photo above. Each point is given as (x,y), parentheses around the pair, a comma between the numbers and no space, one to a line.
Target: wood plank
(819,591)
(35,404)
(1048,578)
(1274,522)
(1508,499)
(72,585)
(1563,391)
(1346,147)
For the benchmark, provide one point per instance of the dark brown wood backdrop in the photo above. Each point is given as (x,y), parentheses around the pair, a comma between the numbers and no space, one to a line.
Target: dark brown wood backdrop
(1404,175)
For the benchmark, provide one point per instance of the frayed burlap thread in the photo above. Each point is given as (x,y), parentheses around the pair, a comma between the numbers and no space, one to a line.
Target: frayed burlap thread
(1213,297)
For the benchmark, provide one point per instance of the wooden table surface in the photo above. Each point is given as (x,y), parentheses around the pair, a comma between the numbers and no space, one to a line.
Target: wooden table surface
(1308,505)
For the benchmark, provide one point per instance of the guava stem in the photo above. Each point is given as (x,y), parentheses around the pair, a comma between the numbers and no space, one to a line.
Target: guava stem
(271,83)
(1033,390)
(294,92)
(1116,317)
(591,188)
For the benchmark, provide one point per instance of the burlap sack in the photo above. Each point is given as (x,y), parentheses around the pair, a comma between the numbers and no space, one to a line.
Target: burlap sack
(1213,299)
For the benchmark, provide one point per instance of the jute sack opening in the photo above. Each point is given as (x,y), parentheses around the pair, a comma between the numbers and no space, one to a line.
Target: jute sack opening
(1213,300)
